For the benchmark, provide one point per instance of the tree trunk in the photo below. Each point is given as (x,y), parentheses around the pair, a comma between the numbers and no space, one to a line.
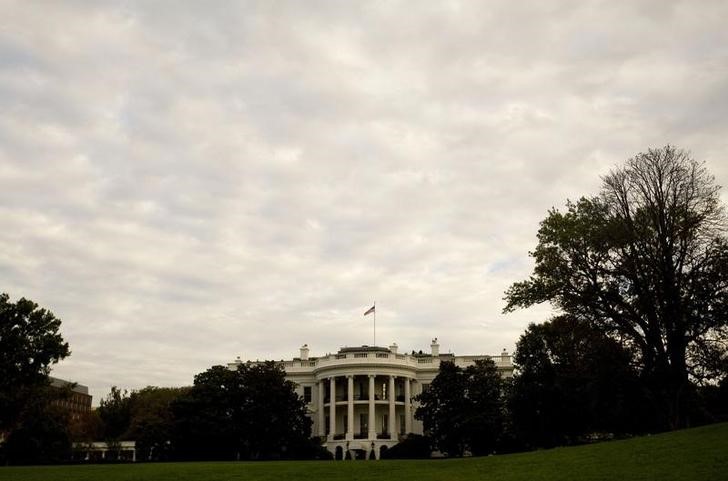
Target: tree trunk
(679,390)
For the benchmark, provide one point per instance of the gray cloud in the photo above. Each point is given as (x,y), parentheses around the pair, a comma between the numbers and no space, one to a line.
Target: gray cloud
(184,183)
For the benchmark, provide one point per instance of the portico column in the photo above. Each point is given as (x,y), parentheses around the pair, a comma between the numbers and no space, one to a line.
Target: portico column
(350,407)
(321,417)
(372,420)
(407,408)
(390,394)
(332,408)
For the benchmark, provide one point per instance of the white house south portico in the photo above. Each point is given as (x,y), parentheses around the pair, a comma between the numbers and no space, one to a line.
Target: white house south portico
(361,398)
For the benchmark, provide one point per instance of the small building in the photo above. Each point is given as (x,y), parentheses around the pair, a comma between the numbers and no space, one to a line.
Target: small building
(102,451)
(361,398)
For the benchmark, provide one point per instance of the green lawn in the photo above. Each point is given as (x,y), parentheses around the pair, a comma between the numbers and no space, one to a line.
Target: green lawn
(699,454)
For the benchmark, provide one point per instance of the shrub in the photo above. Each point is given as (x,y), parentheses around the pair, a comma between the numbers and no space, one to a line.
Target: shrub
(413,446)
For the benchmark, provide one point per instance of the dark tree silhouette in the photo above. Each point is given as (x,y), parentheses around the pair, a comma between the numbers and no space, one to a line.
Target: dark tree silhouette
(30,343)
(571,381)
(463,408)
(645,261)
(250,413)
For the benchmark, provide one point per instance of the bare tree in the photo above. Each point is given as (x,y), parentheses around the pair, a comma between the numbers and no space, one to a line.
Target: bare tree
(647,262)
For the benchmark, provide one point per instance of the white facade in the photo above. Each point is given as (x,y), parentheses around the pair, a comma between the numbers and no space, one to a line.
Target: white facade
(373,390)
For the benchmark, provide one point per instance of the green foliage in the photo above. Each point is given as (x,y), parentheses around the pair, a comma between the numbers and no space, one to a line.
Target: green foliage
(143,416)
(645,261)
(29,344)
(713,402)
(694,454)
(204,419)
(463,408)
(151,423)
(43,437)
(250,413)
(115,413)
(572,381)
(87,427)
(413,446)
(36,431)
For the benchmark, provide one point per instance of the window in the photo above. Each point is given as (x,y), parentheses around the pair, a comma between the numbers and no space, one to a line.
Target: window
(307,394)
(401,424)
(385,424)
(328,425)
(363,423)
(425,387)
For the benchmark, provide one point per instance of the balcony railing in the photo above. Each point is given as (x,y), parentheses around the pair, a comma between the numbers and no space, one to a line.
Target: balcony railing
(362,435)
(363,397)
(400,359)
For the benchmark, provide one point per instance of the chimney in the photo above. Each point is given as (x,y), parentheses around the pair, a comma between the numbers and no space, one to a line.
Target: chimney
(504,356)
(304,352)
(435,348)
(393,348)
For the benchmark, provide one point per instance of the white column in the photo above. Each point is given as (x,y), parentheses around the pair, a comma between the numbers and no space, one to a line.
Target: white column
(391,396)
(372,418)
(350,407)
(321,416)
(407,407)
(332,408)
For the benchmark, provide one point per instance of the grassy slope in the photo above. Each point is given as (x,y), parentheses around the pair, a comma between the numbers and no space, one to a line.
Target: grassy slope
(700,454)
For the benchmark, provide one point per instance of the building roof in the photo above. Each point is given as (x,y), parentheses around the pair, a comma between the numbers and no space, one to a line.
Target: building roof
(62,383)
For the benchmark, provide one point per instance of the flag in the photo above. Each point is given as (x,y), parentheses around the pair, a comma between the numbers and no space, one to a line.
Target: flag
(371,309)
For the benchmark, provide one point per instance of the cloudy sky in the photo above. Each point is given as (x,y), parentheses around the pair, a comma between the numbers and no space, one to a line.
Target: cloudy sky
(184,183)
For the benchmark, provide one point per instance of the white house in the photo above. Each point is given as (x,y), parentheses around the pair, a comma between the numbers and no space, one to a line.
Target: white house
(361,397)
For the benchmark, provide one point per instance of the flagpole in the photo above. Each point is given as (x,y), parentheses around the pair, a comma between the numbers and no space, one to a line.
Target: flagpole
(375,323)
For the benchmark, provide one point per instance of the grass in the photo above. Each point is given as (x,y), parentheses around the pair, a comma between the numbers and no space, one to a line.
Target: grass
(699,454)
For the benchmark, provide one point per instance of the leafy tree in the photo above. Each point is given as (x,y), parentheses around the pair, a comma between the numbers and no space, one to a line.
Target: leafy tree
(273,418)
(714,402)
(442,410)
(463,408)
(87,427)
(115,413)
(571,381)
(151,421)
(645,261)
(203,418)
(29,344)
(250,413)
(144,416)
(43,436)
(485,396)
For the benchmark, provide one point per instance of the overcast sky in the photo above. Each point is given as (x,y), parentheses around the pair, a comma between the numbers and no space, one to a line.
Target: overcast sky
(184,183)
